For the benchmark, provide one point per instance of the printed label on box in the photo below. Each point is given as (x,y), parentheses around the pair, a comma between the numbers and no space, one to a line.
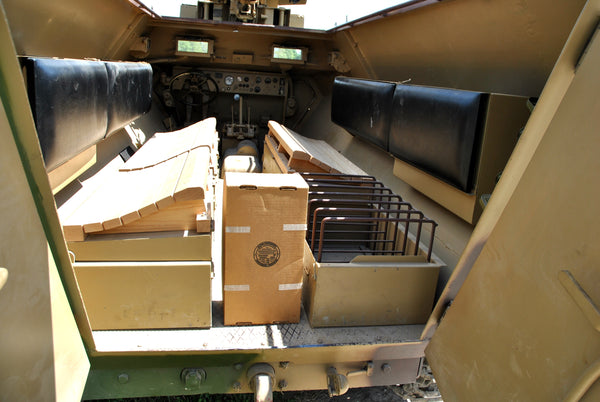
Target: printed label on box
(266,254)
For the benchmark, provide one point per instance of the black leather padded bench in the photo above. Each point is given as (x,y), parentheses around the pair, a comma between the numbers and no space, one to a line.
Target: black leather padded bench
(78,103)
(449,144)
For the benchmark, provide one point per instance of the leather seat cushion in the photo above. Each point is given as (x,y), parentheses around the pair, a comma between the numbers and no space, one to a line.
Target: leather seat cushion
(438,130)
(363,108)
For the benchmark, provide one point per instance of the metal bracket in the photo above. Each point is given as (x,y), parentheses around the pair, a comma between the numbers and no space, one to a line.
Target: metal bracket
(261,377)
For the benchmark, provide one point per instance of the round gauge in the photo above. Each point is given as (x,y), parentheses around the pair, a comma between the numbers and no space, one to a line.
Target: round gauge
(229,80)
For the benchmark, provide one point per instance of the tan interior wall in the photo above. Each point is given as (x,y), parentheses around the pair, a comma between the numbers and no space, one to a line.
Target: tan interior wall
(502,46)
(74,28)
(245,40)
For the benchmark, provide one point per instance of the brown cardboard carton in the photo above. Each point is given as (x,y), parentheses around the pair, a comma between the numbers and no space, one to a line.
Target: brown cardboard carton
(263,247)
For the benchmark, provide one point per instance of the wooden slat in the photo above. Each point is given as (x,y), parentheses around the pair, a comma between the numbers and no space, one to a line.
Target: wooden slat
(153,192)
(164,146)
(307,154)
(203,223)
(280,159)
(193,181)
(179,216)
(288,141)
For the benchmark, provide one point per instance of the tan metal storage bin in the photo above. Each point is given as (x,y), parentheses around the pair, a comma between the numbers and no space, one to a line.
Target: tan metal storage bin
(369,290)
(146,295)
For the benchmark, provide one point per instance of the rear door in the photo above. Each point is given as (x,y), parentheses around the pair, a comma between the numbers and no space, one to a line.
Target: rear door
(525,324)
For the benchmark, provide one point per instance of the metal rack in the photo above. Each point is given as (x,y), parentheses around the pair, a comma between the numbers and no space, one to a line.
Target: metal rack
(350,215)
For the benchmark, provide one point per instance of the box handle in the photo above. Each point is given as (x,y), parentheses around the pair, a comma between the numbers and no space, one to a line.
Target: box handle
(248,187)
(288,188)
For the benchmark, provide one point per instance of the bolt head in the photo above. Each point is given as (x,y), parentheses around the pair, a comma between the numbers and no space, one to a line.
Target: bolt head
(123,378)
(237,387)
(386,368)
(282,384)
(193,378)
(238,366)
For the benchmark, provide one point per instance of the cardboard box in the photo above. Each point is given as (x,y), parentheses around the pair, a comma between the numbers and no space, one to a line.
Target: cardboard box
(263,247)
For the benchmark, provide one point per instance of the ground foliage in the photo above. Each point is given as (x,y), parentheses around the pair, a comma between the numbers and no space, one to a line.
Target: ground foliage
(375,394)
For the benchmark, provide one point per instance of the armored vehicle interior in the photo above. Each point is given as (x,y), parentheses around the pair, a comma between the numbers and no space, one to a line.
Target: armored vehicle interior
(439,146)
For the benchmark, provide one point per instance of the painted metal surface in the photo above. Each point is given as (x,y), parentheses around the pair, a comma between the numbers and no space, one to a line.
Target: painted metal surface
(436,46)
(43,357)
(530,339)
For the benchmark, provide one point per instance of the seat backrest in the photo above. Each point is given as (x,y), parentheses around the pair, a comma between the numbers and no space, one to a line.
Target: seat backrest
(437,130)
(363,107)
(77,103)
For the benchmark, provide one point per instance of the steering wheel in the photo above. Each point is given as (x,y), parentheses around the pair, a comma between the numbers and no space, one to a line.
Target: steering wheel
(193,88)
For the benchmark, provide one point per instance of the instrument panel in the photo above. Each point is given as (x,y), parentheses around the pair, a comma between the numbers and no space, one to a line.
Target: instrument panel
(243,82)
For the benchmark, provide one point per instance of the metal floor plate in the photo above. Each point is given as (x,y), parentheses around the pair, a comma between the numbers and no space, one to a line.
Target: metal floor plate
(252,337)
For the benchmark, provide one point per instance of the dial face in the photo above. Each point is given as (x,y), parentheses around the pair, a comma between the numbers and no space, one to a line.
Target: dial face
(228,80)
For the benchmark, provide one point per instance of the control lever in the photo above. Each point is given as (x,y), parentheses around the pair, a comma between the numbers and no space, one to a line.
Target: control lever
(240,130)
(238,98)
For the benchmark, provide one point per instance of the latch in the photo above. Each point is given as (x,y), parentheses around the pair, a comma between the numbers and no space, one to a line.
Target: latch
(337,384)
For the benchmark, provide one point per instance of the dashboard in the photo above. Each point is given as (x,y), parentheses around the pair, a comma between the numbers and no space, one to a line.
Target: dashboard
(244,82)
(242,98)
